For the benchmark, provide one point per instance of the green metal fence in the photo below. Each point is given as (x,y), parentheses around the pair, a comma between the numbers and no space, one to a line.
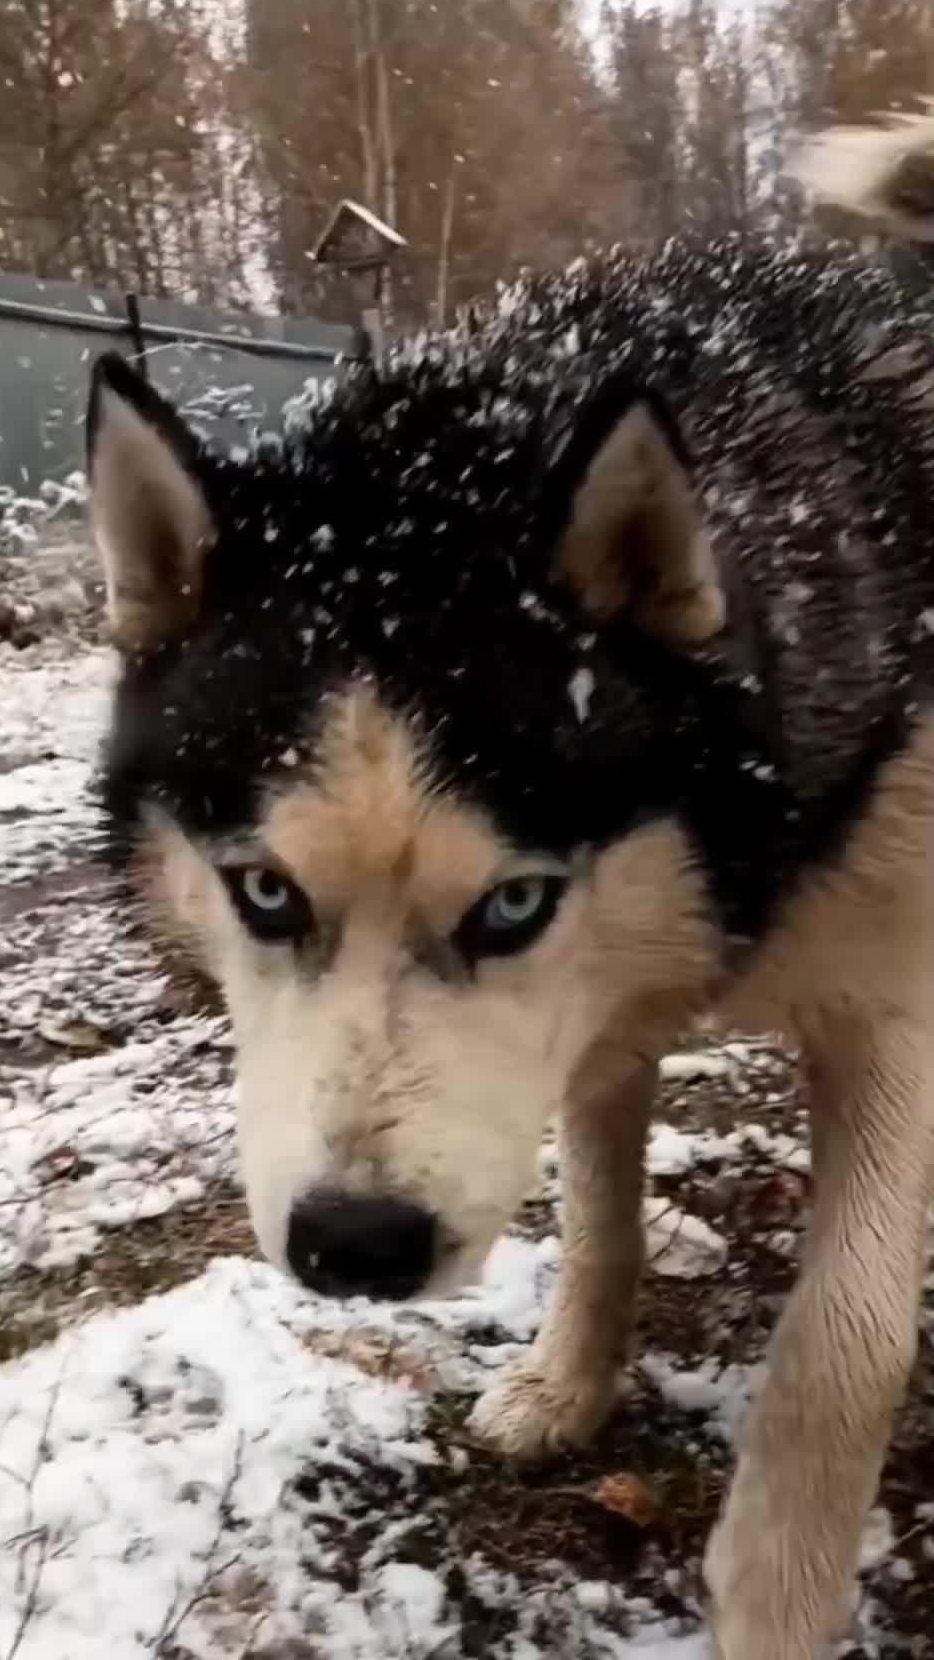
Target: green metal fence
(225,371)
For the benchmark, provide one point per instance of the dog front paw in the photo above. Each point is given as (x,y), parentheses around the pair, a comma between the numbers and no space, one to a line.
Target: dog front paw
(531,1413)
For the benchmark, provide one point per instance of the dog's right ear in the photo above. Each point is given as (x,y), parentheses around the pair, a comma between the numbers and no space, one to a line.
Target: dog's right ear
(149,514)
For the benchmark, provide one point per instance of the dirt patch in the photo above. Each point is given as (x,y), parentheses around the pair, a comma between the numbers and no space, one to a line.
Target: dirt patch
(529,1528)
(133,1263)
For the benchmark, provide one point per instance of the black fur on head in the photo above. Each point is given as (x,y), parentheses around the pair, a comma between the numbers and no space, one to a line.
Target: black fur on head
(406,545)
(406,539)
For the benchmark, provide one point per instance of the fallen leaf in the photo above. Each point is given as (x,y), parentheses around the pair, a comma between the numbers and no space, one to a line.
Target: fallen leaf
(627,1496)
(79,1035)
(62,1164)
(779,1199)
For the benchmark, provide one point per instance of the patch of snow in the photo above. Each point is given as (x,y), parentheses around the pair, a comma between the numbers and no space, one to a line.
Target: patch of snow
(23,518)
(412,1601)
(679,1246)
(672,1152)
(97,1143)
(689,1068)
(51,723)
(580,690)
(90,1142)
(42,788)
(180,1473)
(61,705)
(720,1392)
(122,1445)
(878,1540)
(782,1149)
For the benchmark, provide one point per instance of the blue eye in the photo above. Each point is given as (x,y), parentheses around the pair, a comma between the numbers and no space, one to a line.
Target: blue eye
(510,917)
(271,906)
(516,903)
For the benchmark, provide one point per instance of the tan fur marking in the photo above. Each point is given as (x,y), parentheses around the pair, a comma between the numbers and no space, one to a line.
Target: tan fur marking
(856,942)
(367,825)
(781,1561)
(653,945)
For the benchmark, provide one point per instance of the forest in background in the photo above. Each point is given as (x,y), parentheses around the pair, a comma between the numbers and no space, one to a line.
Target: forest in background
(195,148)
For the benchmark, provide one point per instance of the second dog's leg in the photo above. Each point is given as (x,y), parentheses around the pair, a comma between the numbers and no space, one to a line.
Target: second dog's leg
(782,1559)
(559,1394)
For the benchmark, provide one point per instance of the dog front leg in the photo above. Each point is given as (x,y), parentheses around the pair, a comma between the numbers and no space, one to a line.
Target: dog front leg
(559,1394)
(781,1561)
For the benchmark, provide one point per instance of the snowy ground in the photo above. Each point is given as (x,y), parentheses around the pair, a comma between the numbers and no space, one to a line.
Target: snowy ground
(198,1461)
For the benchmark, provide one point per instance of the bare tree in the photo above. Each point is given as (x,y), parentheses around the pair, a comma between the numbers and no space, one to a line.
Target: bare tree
(465,125)
(109,133)
(196,149)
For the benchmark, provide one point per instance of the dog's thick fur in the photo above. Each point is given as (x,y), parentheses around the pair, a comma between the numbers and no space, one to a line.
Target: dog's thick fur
(613,614)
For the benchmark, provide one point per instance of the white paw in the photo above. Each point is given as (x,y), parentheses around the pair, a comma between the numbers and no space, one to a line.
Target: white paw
(531,1413)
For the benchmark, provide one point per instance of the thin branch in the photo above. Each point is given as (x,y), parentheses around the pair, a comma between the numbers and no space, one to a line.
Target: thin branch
(176,1616)
(32,1595)
(31,1533)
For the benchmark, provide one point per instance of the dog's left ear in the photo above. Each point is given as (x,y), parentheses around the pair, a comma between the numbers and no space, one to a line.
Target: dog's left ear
(149,514)
(634,540)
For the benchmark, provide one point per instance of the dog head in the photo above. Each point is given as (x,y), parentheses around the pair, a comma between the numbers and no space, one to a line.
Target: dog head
(387,760)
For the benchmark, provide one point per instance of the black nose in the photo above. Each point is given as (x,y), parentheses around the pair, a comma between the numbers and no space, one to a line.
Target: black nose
(346,1246)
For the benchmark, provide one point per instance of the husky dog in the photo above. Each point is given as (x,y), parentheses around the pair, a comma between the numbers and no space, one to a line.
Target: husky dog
(570,676)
